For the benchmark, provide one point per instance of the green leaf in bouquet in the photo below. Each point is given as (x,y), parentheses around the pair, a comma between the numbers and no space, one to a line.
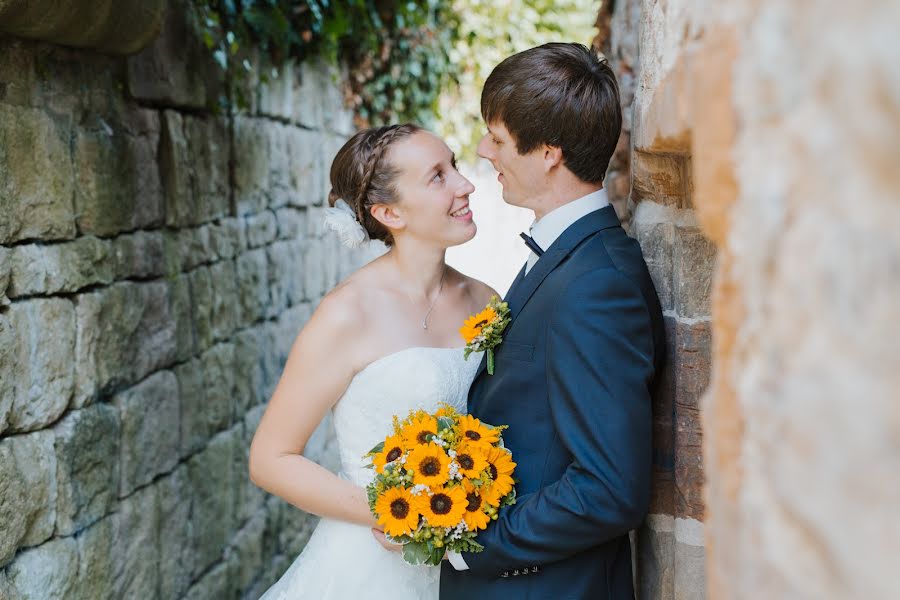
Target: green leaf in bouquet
(444,423)
(376,449)
(416,553)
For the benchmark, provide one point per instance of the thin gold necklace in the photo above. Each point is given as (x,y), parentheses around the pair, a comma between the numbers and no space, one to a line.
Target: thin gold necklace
(433,302)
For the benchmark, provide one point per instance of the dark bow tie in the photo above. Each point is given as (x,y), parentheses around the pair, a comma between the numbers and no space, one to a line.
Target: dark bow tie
(533,245)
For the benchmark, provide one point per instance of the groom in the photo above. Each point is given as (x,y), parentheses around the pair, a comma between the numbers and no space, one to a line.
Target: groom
(575,369)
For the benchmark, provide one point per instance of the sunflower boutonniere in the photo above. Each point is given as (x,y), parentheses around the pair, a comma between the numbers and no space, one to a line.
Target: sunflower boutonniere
(484,332)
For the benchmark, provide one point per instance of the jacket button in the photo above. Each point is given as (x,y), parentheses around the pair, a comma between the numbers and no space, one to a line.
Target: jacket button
(535,569)
(516,572)
(504,574)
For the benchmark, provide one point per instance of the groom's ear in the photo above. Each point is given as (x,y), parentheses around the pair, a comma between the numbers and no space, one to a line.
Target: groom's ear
(387,215)
(553,157)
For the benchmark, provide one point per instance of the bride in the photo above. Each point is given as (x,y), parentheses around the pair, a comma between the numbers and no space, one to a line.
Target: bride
(383,342)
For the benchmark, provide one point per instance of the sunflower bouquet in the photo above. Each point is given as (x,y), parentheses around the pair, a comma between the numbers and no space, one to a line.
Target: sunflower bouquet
(439,479)
(484,332)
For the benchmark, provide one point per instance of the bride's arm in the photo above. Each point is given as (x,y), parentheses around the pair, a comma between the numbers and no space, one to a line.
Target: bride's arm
(318,371)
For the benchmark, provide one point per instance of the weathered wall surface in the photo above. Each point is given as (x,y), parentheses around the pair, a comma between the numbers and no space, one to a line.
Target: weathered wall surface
(766,127)
(650,182)
(157,259)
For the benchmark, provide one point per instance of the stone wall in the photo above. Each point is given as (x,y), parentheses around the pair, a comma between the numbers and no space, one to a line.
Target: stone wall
(767,125)
(650,182)
(157,258)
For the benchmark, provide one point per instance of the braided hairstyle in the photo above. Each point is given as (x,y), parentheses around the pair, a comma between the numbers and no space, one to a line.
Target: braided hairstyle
(363,177)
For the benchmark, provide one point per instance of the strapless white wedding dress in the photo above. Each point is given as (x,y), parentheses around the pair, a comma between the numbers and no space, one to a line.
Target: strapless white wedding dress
(342,561)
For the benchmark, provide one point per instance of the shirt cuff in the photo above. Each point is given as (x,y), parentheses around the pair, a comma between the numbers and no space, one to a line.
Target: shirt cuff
(457,561)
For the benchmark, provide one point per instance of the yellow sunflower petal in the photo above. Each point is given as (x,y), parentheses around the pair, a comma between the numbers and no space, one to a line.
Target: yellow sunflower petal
(474,430)
(444,507)
(429,465)
(471,459)
(394,448)
(475,516)
(417,430)
(397,512)
(473,325)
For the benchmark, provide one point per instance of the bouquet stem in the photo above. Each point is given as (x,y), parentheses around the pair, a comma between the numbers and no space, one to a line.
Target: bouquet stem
(490,361)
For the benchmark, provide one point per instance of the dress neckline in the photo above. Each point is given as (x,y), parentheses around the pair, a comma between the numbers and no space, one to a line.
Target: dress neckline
(391,355)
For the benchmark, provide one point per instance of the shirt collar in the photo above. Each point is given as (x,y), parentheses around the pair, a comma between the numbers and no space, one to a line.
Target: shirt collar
(554,223)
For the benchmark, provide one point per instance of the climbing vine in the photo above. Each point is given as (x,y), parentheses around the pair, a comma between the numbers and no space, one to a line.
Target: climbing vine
(397,51)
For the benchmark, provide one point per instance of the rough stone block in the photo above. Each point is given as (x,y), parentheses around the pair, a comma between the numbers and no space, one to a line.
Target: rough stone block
(663,178)
(47,572)
(66,267)
(125,332)
(655,558)
(27,491)
(149,418)
(5,266)
(214,481)
(694,261)
(201,306)
(247,371)
(139,255)
(37,343)
(286,276)
(291,223)
(136,545)
(692,365)
(176,69)
(228,237)
(176,559)
(36,177)
(275,95)
(207,396)
(262,228)
(314,274)
(214,585)
(194,153)
(87,458)
(310,83)
(251,167)
(180,299)
(115,190)
(251,499)
(194,247)
(95,560)
(245,555)
(225,300)
(657,242)
(253,285)
(306,171)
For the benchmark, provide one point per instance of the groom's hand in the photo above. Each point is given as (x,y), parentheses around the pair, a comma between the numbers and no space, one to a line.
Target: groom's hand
(388,545)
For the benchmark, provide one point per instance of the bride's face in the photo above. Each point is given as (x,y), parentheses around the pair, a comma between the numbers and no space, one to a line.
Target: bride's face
(433,202)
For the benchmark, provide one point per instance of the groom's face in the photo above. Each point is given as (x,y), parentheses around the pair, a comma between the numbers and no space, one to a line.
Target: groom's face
(521,175)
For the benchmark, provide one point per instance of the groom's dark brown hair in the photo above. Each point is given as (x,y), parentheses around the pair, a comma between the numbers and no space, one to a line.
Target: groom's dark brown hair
(561,95)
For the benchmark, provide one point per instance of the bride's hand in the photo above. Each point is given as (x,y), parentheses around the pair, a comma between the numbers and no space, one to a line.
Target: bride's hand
(387,544)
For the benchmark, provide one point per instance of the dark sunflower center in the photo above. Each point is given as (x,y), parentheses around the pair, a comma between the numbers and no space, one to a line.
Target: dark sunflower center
(394,454)
(493,471)
(473,435)
(441,504)
(465,461)
(480,324)
(430,467)
(422,438)
(474,502)
(399,508)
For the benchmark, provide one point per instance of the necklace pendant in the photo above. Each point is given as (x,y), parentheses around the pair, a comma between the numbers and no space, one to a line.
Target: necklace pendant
(424,324)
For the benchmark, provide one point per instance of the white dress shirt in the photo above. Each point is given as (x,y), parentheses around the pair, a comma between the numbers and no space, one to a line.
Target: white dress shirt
(545,231)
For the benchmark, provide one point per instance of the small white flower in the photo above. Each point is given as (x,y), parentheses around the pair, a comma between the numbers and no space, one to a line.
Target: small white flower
(342,220)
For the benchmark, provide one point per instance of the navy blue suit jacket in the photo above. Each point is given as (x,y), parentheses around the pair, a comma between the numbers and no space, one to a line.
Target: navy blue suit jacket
(573,380)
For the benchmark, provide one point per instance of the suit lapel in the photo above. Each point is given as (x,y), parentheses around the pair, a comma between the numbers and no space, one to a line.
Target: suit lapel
(524,286)
(556,253)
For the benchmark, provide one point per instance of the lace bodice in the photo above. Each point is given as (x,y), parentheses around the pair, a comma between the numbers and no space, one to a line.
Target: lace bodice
(414,378)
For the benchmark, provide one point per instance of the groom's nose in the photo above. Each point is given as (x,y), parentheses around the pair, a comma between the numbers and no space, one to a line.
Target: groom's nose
(484,147)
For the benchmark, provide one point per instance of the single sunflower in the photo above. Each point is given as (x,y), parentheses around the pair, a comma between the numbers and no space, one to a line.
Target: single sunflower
(472,327)
(429,465)
(393,449)
(444,507)
(501,467)
(474,516)
(418,430)
(474,430)
(396,512)
(471,459)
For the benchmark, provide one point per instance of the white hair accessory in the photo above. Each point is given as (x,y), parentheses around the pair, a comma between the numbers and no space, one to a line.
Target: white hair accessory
(342,220)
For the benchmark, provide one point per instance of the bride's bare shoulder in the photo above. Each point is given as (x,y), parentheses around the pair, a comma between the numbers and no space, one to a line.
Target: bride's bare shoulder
(477,292)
